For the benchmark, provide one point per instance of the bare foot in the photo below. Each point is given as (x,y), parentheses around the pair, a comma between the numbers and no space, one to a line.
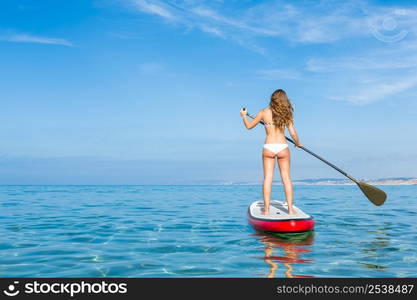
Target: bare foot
(292,211)
(265,212)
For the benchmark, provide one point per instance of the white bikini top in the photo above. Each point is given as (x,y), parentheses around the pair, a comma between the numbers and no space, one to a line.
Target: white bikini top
(269,123)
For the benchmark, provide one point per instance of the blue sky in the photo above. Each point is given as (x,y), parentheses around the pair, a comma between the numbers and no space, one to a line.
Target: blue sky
(149,92)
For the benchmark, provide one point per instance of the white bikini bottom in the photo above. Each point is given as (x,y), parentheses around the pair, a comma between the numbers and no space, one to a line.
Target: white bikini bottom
(275,148)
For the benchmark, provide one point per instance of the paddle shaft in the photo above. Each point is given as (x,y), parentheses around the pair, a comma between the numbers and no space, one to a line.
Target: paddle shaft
(315,155)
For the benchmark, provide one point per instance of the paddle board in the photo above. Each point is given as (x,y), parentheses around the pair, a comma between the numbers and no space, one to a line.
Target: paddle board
(278,220)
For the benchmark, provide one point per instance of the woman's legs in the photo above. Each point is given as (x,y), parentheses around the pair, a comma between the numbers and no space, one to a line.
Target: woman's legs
(284,169)
(269,165)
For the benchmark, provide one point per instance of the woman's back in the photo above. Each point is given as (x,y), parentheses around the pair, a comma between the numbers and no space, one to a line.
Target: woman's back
(274,134)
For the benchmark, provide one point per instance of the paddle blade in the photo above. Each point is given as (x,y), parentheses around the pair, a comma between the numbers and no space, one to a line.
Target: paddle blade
(374,194)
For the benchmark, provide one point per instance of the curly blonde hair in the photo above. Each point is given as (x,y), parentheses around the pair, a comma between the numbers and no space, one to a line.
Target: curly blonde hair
(282,111)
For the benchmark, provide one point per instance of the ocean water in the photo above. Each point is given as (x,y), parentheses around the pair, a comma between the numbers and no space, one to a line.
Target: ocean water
(201,231)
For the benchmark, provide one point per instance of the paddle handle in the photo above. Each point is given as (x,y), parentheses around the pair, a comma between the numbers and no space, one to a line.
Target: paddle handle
(315,155)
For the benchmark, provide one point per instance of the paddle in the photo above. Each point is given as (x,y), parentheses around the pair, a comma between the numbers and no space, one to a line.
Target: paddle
(374,194)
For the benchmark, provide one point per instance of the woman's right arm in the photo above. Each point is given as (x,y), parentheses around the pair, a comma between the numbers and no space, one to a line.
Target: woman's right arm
(293,134)
(250,124)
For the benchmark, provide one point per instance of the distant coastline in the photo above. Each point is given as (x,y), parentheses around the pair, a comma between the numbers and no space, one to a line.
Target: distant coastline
(336,181)
(318,181)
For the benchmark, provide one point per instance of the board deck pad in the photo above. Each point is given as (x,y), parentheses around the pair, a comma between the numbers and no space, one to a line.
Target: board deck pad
(277,211)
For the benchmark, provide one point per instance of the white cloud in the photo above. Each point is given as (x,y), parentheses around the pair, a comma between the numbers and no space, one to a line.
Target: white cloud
(314,22)
(26,38)
(375,74)
(365,94)
(212,30)
(385,64)
(364,62)
(153,7)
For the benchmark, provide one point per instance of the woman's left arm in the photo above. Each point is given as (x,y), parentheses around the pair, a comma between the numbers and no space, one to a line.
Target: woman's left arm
(254,122)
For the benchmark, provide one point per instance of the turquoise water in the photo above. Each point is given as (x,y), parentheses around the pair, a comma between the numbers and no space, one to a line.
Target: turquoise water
(201,231)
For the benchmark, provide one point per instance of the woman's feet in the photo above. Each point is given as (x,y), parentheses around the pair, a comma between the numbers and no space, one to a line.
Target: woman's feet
(265,211)
(291,210)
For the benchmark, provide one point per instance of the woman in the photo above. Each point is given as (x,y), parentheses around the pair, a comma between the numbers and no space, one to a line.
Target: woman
(277,117)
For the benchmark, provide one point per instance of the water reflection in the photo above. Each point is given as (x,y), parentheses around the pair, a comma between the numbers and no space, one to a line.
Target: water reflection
(378,247)
(291,247)
(381,240)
